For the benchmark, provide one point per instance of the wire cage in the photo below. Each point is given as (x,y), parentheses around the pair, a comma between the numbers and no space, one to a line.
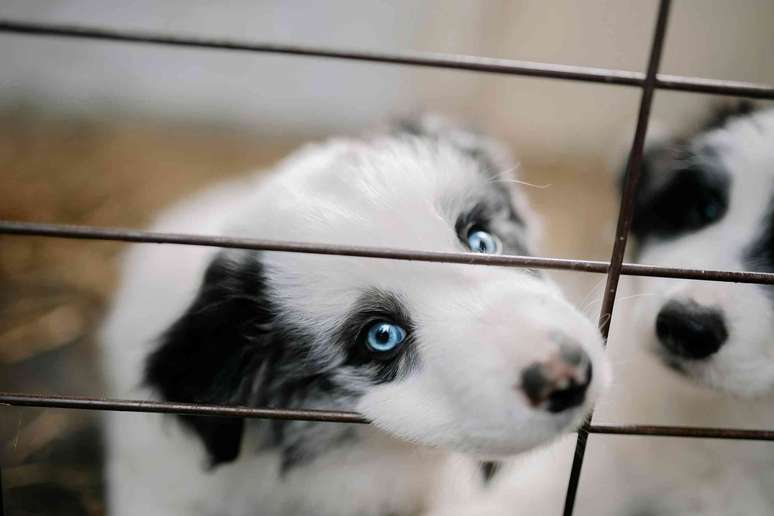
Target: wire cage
(647,82)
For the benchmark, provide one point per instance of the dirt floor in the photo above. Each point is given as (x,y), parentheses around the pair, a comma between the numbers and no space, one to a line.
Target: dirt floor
(53,291)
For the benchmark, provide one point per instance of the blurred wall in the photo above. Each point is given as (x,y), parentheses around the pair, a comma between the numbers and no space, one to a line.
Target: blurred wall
(546,120)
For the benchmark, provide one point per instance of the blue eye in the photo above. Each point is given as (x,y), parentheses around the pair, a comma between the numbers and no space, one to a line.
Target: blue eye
(384,336)
(480,241)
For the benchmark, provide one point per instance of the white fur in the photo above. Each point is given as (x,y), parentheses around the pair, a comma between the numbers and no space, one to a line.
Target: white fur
(478,327)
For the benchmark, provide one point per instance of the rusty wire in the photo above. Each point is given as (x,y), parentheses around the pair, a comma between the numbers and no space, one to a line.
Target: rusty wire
(423,59)
(336,416)
(9,227)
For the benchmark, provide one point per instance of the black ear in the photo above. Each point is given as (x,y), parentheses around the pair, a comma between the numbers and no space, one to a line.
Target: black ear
(213,352)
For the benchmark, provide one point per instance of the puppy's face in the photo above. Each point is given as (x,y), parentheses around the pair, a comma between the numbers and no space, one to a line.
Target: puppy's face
(488,360)
(708,203)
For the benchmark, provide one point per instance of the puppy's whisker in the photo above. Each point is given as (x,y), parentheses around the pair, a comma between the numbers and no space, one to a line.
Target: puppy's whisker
(591,291)
(619,299)
(634,296)
(587,307)
(520,182)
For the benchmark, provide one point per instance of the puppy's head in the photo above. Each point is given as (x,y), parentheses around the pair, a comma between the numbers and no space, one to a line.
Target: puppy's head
(489,360)
(707,202)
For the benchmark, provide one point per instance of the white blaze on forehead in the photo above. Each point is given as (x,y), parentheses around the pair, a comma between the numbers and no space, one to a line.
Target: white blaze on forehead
(388,193)
(354,193)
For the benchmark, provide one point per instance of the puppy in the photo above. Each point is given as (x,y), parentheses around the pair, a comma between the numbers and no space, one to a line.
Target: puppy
(708,203)
(686,352)
(705,202)
(484,360)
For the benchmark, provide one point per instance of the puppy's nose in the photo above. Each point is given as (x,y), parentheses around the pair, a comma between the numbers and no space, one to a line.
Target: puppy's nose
(688,330)
(560,382)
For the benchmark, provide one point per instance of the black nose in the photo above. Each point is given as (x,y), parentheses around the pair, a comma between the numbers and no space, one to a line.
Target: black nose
(688,330)
(559,383)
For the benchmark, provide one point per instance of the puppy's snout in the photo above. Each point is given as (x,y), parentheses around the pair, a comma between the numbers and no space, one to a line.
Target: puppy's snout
(560,383)
(688,330)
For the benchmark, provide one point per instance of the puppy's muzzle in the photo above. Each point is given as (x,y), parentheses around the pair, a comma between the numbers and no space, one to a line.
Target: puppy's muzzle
(689,330)
(559,383)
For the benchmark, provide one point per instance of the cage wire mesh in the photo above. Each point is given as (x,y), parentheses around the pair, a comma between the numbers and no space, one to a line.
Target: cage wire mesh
(648,82)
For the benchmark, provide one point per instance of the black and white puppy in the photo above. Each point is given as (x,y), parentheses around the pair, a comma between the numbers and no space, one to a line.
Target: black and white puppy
(708,203)
(705,201)
(485,360)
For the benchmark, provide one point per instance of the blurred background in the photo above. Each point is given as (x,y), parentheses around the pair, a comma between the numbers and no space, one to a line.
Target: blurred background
(108,133)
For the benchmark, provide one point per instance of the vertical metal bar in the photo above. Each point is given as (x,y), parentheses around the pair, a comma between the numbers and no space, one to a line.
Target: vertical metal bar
(624,223)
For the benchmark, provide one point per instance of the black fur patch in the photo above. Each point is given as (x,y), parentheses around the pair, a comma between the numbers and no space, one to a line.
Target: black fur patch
(210,354)
(759,255)
(680,179)
(489,469)
(724,113)
(233,347)
(681,190)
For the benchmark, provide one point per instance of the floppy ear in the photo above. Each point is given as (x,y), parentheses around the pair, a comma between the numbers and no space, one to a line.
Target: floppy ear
(214,351)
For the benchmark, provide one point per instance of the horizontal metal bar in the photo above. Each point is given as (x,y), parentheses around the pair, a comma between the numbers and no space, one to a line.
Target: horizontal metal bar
(637,269)
(594,266)
(426,59)
(333,416)
(189,409)
(423,59)
(695,432)
(130,235)
(714,86)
